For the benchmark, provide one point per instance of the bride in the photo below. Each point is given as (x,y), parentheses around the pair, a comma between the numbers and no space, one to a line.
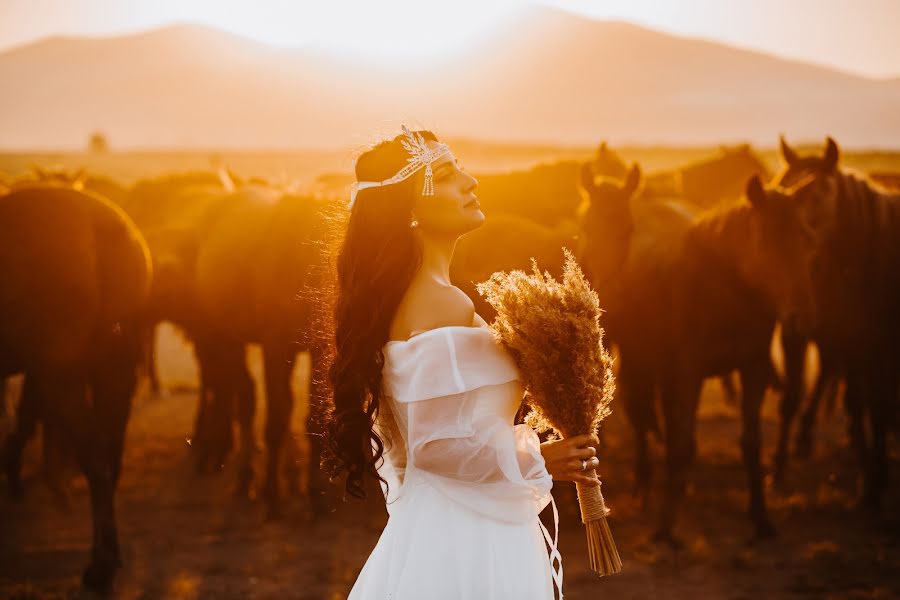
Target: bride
(424,399)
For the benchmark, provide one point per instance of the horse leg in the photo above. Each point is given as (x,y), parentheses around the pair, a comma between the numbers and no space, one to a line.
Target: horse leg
(754,379)
(794,355)
(111,385)
(200,438)
(882,394)
(826,383)
(729,389)
(854,398)
(246,411)
(27,417)
(53,465)
(680,399)
(72,411)
(803,443)
(150,364)
(638,395)
(214,433)
(278,362)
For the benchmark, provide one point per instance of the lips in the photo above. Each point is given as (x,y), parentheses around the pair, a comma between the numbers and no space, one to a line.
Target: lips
(472,203)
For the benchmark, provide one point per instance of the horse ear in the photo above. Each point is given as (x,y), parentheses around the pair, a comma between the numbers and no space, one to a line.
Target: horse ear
(756,194)
(587,178)
(633,179)
(832,154)
(787,153)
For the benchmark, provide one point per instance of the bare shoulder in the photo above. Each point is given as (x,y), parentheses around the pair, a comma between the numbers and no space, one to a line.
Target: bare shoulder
(428,305)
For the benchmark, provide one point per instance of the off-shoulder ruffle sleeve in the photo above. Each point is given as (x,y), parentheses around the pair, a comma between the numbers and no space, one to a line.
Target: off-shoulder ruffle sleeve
(450,391)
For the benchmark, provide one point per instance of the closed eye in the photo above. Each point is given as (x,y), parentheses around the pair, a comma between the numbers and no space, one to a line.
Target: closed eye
(447,171)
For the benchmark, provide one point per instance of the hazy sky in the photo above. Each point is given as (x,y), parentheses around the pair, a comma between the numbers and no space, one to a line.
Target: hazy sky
(854,35)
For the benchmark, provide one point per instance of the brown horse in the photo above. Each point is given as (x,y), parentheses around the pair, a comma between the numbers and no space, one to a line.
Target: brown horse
(76,275)
(55,458)
(627,244)
(262,249)
(702,301)
(858,325)
(795,344)
(173,213)
(739,271)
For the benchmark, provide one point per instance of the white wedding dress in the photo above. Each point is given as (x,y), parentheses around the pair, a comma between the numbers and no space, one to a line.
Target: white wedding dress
(465,485)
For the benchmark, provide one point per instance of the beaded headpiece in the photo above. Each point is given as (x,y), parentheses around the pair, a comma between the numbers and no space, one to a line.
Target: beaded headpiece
(420,155)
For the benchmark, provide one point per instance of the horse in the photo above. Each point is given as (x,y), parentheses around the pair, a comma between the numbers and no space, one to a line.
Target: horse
(626,244)
(76,275)
(233,258)
(857,224)
(696,304)
(252,265)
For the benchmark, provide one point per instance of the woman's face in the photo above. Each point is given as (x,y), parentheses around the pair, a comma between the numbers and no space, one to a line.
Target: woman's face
(454,208)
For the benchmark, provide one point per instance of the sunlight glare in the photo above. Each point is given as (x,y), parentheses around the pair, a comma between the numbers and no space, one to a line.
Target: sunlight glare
(403,31)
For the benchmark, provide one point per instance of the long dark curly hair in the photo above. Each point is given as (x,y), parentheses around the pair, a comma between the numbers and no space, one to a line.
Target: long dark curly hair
(376,255)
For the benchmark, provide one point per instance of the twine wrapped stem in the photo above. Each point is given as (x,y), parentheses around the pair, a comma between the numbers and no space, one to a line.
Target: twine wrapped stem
(602,551)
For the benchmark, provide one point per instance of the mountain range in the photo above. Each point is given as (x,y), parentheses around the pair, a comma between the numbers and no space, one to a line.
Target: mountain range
(546,76)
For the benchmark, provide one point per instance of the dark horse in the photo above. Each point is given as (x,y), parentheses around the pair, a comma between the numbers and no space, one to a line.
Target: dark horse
(76,274)
(256,268)
(858,295)
(698,298)
(233,264)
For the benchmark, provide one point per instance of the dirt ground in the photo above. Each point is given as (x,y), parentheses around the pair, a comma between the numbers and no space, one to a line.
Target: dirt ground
(185,537)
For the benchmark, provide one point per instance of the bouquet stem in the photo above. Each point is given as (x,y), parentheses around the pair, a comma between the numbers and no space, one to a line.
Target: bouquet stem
(604,556)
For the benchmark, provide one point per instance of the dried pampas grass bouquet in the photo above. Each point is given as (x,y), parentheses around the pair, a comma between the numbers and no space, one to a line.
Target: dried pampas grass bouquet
(552,330)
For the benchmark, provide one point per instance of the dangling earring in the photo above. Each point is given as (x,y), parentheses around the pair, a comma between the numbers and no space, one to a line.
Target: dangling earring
(413,224)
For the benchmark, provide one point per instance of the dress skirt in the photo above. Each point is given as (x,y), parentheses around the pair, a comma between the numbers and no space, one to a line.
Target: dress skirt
(434,548)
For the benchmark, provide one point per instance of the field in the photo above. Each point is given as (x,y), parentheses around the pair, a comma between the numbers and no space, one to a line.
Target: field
(184,536)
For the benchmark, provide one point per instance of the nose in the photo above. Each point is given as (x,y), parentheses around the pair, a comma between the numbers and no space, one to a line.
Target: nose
(473,183)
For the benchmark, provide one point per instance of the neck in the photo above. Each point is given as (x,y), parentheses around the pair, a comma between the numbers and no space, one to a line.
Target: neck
(437,252)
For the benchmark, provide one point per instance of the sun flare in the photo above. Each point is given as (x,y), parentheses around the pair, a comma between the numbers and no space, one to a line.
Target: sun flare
(404,31)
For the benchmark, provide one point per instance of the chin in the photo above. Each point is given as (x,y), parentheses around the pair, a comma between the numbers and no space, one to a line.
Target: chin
(474,221)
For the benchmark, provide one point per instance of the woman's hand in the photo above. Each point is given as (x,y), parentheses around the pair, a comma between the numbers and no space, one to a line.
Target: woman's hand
(563,458)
